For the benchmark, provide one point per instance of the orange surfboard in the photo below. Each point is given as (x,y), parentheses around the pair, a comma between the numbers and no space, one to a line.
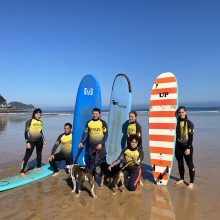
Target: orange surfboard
(162,126)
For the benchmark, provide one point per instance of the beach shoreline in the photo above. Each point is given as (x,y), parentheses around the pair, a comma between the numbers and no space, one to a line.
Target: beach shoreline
(52,198)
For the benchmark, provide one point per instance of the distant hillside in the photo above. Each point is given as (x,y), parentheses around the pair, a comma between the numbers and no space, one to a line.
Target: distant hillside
(2,100)
(19,105)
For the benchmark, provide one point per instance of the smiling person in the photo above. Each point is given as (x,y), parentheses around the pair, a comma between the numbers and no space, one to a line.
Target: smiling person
(65,139)
(34,137)
(131,157)
(96,131)
(184,147)
(134,128)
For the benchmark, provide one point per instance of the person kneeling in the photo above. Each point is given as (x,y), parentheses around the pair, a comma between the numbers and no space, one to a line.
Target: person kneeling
(65,153)
(131,157)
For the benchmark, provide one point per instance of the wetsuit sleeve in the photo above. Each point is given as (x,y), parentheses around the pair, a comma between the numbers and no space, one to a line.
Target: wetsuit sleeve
(42,133)
(138,130)
(120,158)
(190,133)
(105,132)
(85,133)
(141,154)
(26,131)
(57,143)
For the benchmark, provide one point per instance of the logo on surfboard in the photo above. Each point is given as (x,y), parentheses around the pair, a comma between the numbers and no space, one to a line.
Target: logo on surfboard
(115,102)
(88,91)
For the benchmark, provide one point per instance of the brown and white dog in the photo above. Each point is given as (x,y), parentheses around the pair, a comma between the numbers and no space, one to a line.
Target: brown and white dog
(81,174)
(115,175)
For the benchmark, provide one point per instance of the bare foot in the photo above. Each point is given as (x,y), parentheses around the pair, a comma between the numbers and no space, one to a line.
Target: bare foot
(22,175)
(56,174)
(39,169)
(140,183)
(180,182)
(190,186)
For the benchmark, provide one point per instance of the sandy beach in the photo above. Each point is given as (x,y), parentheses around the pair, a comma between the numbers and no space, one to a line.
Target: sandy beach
(51,198)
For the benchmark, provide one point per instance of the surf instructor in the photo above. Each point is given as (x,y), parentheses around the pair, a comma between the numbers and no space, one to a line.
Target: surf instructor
(96,132)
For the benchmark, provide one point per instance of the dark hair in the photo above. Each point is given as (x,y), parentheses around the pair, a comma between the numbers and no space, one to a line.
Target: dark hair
(133,137)
(133,112)
(96,110)
(68,124)
(37,110)
(181,107)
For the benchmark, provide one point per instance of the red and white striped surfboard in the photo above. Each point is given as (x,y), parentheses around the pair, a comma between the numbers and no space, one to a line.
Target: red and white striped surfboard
(162,126)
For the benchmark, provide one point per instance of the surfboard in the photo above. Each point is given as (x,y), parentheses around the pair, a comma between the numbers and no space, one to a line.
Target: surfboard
(88,97)
(162,126)
(161,204)
(31,176)
(119,108)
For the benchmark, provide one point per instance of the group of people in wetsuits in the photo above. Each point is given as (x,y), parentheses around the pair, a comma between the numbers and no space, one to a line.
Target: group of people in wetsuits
(96,133)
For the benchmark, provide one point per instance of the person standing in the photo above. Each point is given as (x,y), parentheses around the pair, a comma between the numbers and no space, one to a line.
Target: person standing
(134,128)
(96,131)
(184,147)
(65,139)
(34,137)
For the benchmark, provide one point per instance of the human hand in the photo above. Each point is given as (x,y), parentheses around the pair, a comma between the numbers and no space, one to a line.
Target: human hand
(187,152)
(51,157)
(28,146)
(134,158)
(110,167)
(45,144)
(99,146)
(80,145)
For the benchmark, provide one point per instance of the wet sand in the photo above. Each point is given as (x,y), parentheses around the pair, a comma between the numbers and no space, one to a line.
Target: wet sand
(52,198)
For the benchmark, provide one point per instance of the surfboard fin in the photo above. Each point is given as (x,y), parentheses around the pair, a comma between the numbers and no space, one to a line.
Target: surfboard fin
(167,170)
(153,167)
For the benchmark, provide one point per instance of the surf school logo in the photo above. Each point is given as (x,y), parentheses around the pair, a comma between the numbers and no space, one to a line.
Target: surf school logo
(115,102)
(88,91)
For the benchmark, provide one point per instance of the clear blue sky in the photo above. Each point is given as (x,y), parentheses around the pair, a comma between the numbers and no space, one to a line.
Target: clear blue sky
(47,46)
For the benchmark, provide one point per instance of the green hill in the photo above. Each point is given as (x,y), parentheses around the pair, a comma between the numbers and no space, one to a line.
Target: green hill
(19,105)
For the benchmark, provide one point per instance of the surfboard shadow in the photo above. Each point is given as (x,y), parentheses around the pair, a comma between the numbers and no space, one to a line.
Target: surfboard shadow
(147,174)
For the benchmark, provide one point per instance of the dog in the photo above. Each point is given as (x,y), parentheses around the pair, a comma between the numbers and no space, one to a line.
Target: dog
(115,175)
(81,174)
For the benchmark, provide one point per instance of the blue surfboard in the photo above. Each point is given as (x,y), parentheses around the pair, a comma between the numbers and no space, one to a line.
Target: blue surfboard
(88,97)
(31,176)
(120,106)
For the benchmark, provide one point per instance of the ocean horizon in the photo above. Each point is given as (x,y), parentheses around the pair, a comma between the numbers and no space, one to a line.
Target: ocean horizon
(105,109)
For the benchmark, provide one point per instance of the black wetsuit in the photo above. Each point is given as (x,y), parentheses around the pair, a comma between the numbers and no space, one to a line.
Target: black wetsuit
(135,128)
(97,132)
(184,139)
(33,134)
(65,153)
(132,169)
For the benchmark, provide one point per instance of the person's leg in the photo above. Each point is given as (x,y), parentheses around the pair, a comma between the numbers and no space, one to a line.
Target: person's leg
(179,153)
(27,156)
(39,147)
(189,162)
(134,179)
(69,161)
(53,164)
(92,155)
